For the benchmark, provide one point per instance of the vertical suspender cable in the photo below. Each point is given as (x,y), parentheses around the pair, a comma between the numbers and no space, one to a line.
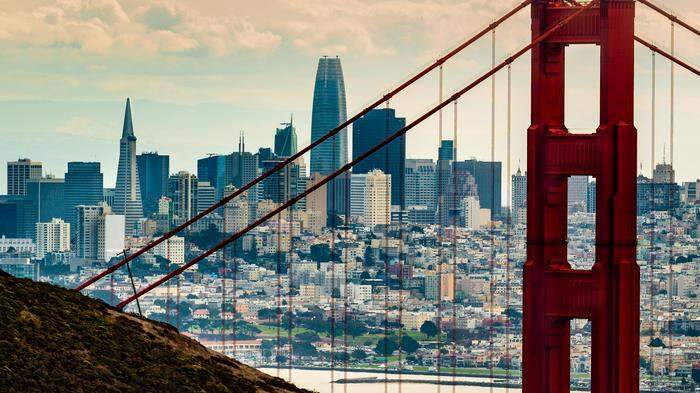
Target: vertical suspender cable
(401,262)
(278,310)
(441,217)
(346,354)
(671,237)
(387,222)
(290,272)
(509,224)
(493,205)
(111,288)
(652,232)
(167,285)
(223,300)
(234,297)
(454,255)
(332,265)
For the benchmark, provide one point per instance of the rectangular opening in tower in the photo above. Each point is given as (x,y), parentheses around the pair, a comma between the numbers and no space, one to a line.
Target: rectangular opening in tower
(581,222)
(582,88)
(580,354)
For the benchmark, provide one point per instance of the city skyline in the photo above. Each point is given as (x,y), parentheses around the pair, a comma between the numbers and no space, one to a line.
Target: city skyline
(80,107)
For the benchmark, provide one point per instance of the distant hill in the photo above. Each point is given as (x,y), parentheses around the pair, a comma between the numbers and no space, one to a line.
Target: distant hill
(53,339)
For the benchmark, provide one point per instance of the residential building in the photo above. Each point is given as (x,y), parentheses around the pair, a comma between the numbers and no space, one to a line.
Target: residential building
(420,182)
(377,210)
(182,190)
(100,234)
(206,195)
(316,209)
(53,236)
(172,249)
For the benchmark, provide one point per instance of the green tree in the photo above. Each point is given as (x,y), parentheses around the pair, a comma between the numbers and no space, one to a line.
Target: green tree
(309,337)
(359,354)
(657,343)
(408,344)
(429,328)
(385,347)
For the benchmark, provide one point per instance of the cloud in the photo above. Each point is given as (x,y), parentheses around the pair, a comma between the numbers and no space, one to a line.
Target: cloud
(107,28)
(85,127)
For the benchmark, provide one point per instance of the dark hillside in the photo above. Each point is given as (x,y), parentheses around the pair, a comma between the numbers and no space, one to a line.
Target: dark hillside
(53,339)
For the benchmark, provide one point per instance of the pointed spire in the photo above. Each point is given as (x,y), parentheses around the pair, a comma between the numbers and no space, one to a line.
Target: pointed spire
(128,130)
(291,119)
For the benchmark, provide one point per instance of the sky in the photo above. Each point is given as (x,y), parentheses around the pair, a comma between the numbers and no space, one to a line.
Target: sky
(200,72)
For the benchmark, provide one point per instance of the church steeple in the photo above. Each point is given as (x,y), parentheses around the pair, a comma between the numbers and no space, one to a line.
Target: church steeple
(128,129)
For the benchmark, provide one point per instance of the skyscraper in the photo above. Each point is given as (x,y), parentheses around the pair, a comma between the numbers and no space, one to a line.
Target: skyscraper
(17,174)
(213,170)
(377,209)
(286,140)
(487,176)
(46,201)
(241,169)
(577,193)
(127,197)
(100,234)
(329,110)
(83,187)
(420,181)
(370,130)
(182,190)
(519,197)
(153,170)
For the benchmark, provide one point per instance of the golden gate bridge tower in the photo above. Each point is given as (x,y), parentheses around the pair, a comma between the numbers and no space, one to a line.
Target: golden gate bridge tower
(554,293)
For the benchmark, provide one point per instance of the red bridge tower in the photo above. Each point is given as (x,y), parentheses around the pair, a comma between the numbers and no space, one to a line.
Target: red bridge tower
(554,293)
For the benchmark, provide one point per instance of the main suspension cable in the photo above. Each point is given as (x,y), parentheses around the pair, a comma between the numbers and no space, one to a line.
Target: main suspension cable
(361,157)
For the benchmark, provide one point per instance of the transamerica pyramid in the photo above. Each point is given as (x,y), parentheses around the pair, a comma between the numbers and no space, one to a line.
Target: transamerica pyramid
(127,196)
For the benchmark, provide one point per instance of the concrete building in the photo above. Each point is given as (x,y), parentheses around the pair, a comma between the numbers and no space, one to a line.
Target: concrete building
(18,172)
(236,211)
(20,268)
(206,195)
(100,234)
(182,190)
(440,283)
(578,193)
(17,245)
(316,210)
(519,197)
(377,209)
(53,236)
(421,183)
(473,216)
(172,249)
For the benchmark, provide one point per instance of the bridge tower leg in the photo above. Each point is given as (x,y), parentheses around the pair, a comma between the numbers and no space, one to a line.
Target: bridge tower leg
(554,293)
